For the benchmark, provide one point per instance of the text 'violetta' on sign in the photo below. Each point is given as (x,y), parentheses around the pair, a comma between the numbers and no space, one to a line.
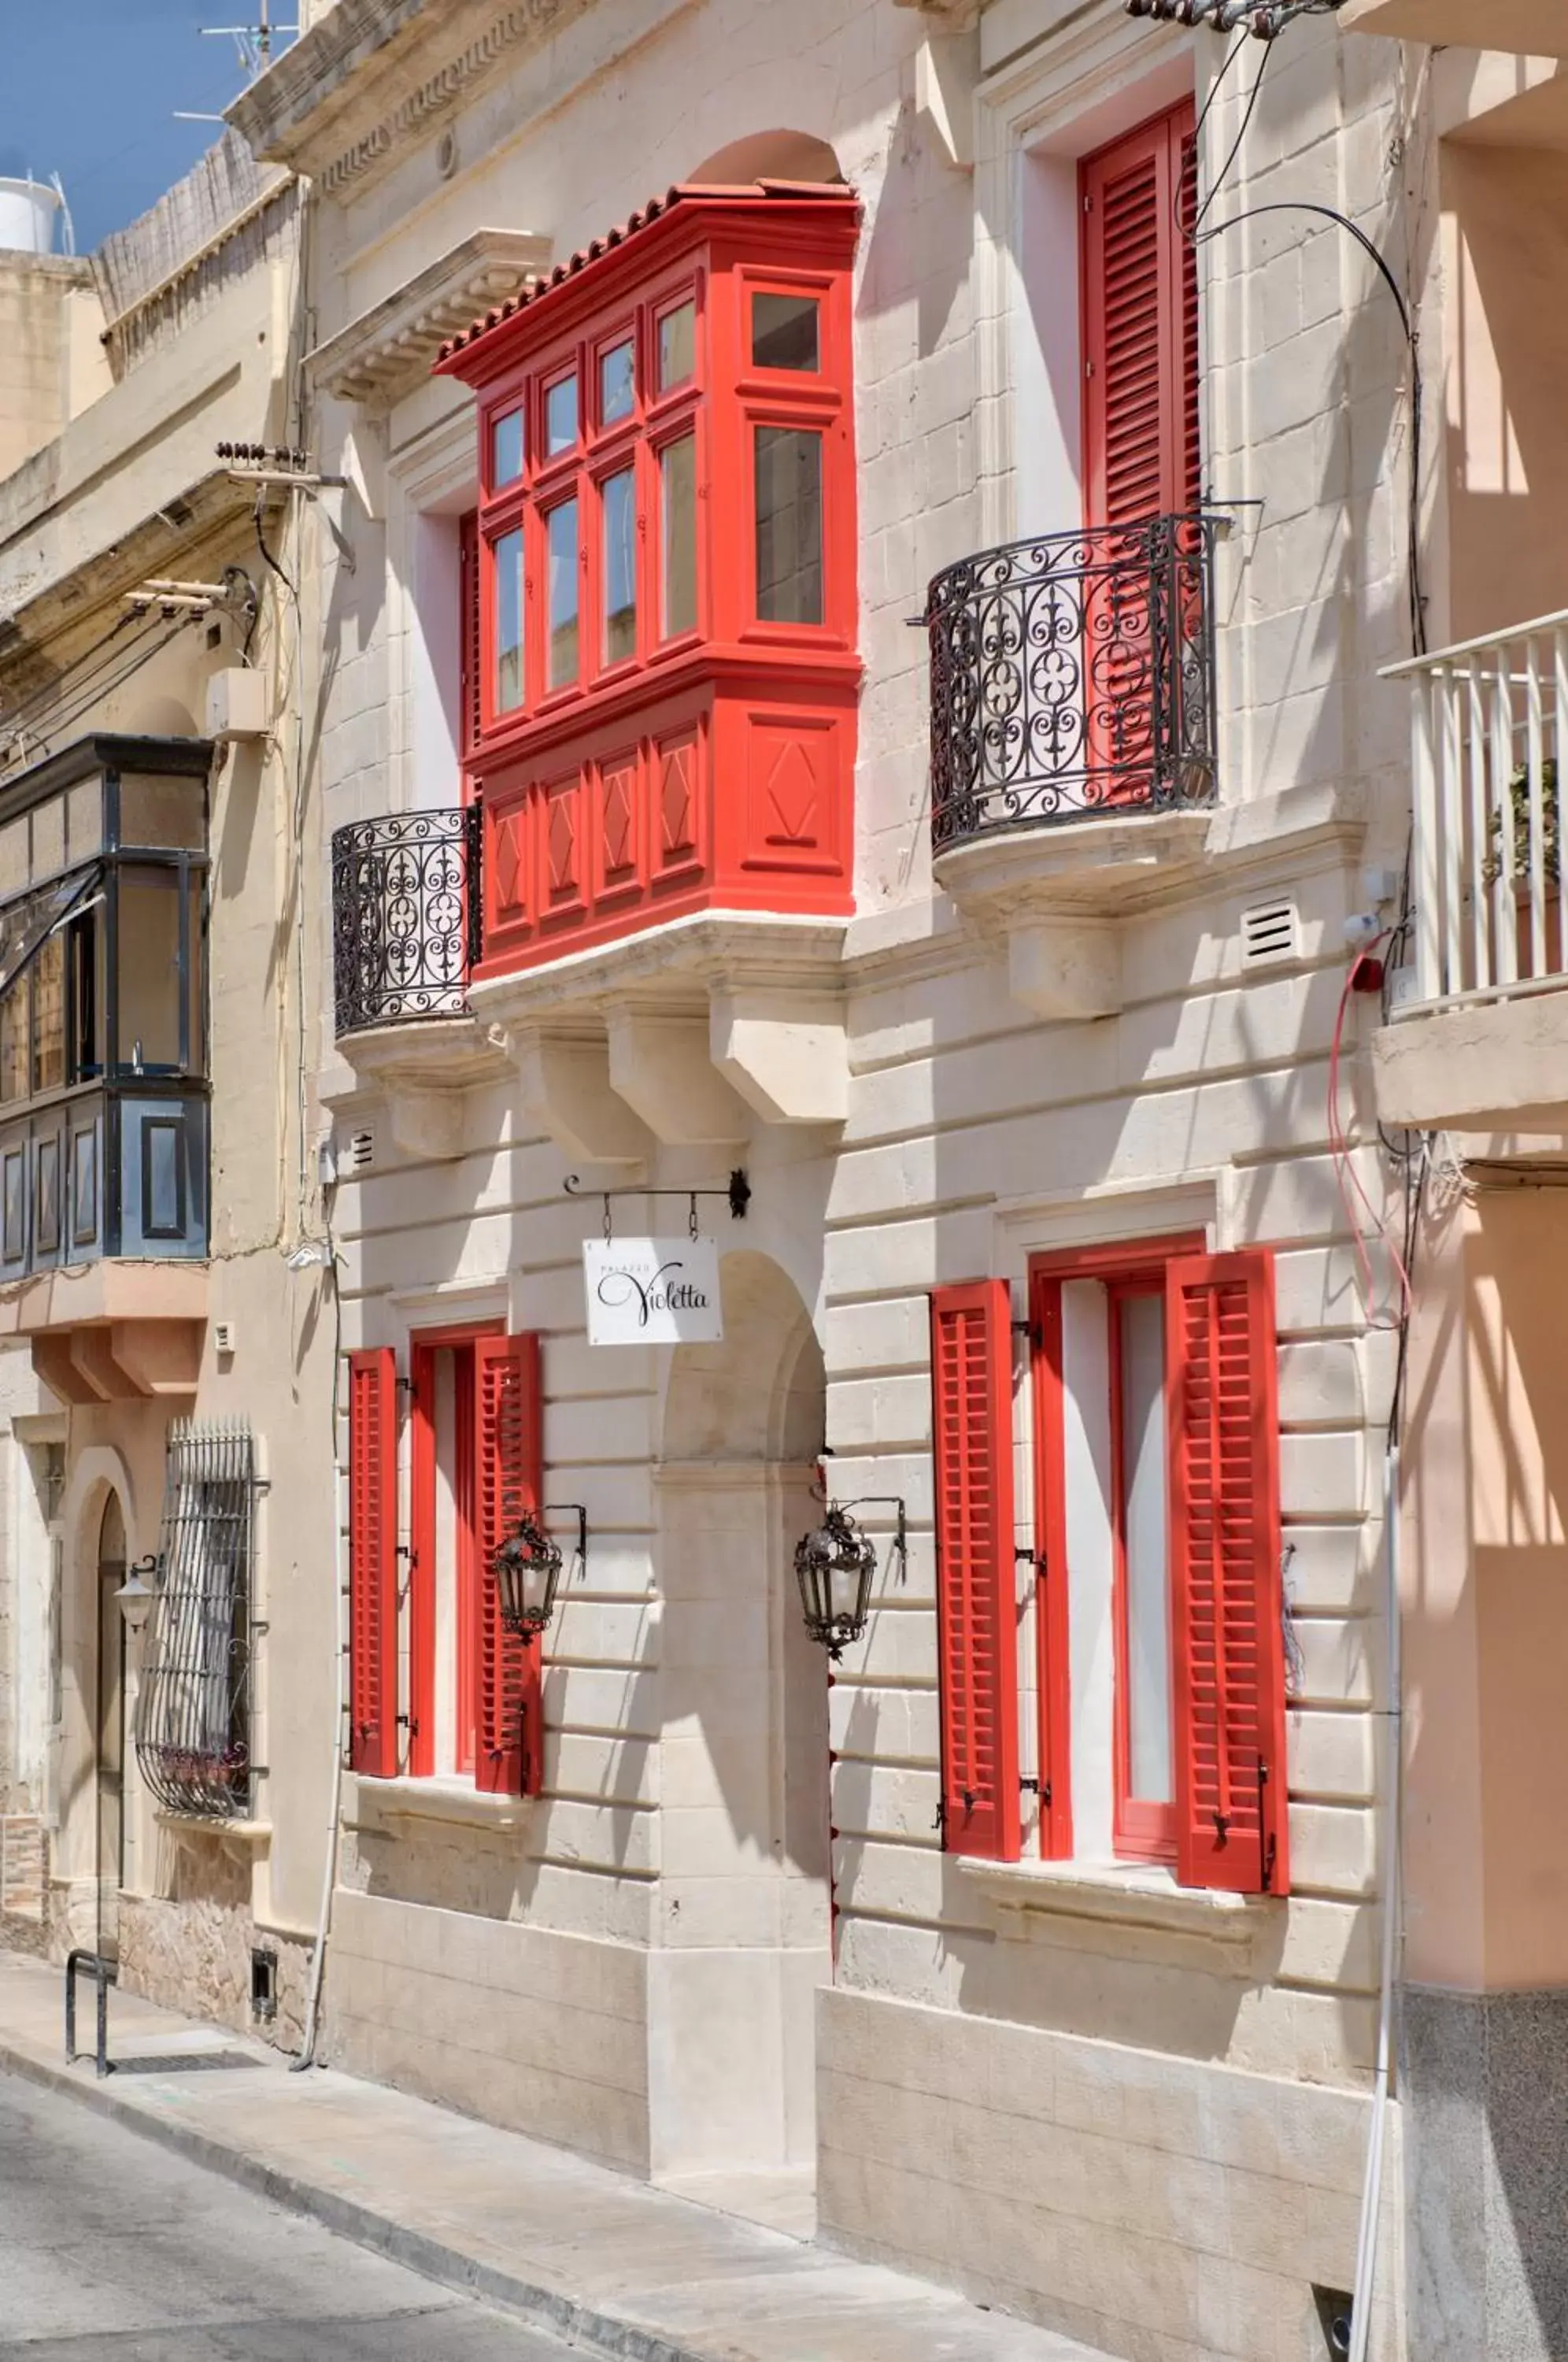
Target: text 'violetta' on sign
(651,1291)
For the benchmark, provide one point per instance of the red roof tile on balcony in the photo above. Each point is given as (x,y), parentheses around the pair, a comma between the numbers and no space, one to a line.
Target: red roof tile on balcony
(683,192)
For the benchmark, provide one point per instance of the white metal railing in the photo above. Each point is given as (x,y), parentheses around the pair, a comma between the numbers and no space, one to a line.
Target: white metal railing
(1489,749)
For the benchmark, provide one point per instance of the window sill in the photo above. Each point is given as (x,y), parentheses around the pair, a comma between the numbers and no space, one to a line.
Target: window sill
(1137,1898)
(370,1804)
(241,1841)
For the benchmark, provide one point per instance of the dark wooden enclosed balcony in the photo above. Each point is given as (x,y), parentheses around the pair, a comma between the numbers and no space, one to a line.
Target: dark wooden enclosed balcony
(1072,677)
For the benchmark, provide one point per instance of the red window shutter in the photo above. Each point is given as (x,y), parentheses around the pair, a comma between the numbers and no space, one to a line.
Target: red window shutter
(470,717)
(971,1361)
(372,1563)
(1139,310)
(509,1753)
(1227,1607)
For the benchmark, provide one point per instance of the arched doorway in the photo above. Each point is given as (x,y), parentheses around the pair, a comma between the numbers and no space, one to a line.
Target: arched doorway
(109,1723)
(743,1933)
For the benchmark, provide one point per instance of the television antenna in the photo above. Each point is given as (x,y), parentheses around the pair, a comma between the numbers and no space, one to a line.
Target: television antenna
(253,44)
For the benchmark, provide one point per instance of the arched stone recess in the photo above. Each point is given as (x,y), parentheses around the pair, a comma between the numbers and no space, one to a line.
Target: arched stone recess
(743,1927)
(83,1901)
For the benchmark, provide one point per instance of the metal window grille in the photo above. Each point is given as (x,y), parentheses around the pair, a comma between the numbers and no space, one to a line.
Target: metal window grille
(193,1739)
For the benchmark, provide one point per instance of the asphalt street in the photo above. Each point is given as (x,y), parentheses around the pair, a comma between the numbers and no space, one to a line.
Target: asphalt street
(113,2250)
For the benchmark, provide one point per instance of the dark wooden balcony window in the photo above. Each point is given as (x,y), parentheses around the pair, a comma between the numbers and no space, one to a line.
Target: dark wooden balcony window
(103,1079)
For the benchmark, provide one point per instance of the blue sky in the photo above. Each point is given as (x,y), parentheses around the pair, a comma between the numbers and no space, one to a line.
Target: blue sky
(88,90)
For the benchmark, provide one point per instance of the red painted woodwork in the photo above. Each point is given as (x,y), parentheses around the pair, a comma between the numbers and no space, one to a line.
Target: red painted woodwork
(1141,456)
(971,1362)
(469,642)
(711,767)
(1227,1609)
(372,1563)
(509,1756)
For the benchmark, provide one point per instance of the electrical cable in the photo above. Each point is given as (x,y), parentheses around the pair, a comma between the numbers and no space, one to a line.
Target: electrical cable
(83,695)
(17,717)
(291,587)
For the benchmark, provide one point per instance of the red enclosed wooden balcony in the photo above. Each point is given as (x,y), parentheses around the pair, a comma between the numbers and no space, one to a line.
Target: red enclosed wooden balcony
(665,585)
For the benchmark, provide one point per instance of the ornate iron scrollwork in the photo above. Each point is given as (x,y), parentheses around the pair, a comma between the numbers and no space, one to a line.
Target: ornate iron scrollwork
(406,916)
(1073,675)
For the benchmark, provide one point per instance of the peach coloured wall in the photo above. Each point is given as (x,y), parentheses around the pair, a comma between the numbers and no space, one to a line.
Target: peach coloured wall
(1486,1601)
(1506,272)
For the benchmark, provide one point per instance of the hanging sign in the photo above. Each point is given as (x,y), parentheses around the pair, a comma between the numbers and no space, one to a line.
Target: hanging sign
(651,1291)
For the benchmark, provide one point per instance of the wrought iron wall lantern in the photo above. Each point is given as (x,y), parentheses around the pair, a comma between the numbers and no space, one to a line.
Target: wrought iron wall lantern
(834,1564)
(528,1572)
(135,1594)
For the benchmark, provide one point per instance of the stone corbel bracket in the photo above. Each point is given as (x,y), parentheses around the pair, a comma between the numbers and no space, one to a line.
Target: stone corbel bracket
(1059,895)
(1062,895)
(426,1071)
(687,1037)
(388,351)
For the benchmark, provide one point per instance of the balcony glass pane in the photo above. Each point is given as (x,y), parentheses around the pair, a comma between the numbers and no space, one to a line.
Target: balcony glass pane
(150,979)
(677,504)
(84,819)
(561,537)
(48,1015)
(14,1045)
(49,838)
(509,622)
(164,812)
(560,417)
(784,332)
(677,346)
(788,525)
(617,384)
(196,982)
(14,857)
(84,939)
(620,500)
(505,449)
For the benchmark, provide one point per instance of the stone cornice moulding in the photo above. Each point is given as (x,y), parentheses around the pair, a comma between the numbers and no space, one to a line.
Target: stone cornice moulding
(352,91)
(389,348)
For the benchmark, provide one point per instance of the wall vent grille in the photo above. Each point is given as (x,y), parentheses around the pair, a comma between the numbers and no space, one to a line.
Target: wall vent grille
(362,1150)
(1270,933)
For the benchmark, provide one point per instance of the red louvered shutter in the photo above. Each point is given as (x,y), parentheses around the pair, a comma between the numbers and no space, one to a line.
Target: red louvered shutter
(372,1563)
(1226,1589)
(470,717)
(971,1359)
(509,1752)
(1139,307)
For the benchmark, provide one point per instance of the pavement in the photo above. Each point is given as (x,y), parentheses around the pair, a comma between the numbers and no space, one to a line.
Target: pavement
(113,2251)
(605,2263)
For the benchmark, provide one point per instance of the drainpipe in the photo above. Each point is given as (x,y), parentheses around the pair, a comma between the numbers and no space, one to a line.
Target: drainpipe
(1372,2186)
(339,1707)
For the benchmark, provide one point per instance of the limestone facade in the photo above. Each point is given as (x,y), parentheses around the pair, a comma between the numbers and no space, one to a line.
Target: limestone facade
(726,1940)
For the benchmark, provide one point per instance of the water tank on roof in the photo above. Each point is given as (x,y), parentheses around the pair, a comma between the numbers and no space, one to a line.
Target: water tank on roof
(29,211)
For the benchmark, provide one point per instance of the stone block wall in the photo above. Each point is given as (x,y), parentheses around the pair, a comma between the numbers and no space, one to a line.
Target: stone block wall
(544,2032)
(1164,2209)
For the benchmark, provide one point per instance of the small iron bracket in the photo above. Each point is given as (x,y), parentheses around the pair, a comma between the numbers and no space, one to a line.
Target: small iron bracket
(574,1509)
(737,1195)
(901,1530)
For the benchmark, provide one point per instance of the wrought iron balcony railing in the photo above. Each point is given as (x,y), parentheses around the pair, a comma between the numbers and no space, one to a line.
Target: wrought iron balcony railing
(407,916)
(1073,675)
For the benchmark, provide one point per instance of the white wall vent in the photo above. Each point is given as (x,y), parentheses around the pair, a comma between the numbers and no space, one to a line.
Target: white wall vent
(1270,933)
(362,1150)
(223,1338)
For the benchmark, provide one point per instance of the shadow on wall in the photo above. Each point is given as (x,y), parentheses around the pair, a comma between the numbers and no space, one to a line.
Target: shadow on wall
(1506,268)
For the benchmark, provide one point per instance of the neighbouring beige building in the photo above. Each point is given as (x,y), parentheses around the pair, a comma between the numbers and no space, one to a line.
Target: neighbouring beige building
(159,979)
